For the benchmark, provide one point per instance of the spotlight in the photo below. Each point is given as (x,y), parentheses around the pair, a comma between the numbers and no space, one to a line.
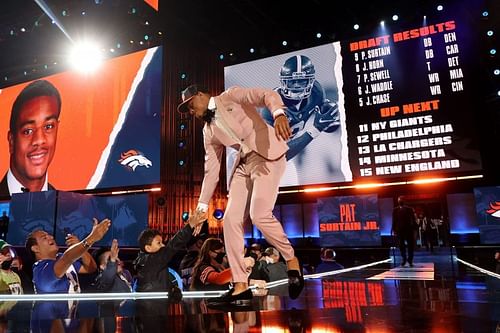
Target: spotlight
(395,17)
(284,43)
(183,76)
(356,27)
(493,51)
(318,35)
(218,214)
(146,37)
(83,13)
(64,13)
(23,29)
(498,93)
(496,71)
(489,33)
(221,57)
(181,144)
(182,126)
(382,23)
(485,13)
(118,45)
(181,162)
(5,78)
(252,50)
(439,8)
(86,57)
(185,216)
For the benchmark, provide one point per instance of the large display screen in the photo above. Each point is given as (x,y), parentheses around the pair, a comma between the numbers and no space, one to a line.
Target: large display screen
(349,221)
(396,104)
(109,128)
(61,213)
(488,213)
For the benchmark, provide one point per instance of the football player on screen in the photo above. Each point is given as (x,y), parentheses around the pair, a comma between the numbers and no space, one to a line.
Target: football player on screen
(309,112)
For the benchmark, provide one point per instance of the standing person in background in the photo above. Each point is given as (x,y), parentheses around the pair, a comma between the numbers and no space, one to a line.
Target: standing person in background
(403,226)
(32,136)
(232,120)
(4,225)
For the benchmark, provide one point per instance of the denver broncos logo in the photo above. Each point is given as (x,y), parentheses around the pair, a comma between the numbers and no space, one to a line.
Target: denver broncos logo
(132,159)
(494,209)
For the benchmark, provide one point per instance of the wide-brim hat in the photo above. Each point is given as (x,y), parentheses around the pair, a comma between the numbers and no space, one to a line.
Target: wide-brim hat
(187,94)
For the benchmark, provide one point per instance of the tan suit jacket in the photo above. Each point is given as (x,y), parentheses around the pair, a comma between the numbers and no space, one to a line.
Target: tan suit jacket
(237,107)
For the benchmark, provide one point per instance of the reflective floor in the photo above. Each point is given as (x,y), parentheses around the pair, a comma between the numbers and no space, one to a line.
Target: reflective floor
(458,299)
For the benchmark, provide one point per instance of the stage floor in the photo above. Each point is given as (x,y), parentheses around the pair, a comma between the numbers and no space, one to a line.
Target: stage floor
(456,299)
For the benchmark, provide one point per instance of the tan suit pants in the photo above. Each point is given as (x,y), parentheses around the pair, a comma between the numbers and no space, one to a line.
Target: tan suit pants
(252,193)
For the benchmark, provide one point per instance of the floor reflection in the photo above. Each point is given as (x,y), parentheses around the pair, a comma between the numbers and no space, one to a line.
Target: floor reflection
(336,304)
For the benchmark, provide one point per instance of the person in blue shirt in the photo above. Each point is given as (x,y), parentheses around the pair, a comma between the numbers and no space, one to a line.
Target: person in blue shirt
(55,272)
(328,262)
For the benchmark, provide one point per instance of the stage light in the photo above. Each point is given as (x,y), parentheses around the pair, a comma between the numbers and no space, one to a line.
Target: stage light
(485,13)
(5,78)
(97,2)
(141,42)
(489,33)
(83,13)
(496,71)
(252,50)
(146,37)
(183,76)
(218,214)
(181,144)
(111,50)
(131,41)
(181,162)
(439,8)
(86,57)
(356,27)
(382,23)
(182,126)
(395,17)
(493,51)
(498,93)
(221,57)
(23,29)
(284,43)
(11,32)
(64,13)
(185,216)
(318,35)
(118,45)
(146,22)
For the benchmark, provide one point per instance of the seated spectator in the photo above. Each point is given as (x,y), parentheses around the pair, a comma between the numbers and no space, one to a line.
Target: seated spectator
(209,272)
(58,273)
(273,269)
(328,262)
(10,282)
(152,261)
(112,277)
(497,260)
(189,259)
(255,251)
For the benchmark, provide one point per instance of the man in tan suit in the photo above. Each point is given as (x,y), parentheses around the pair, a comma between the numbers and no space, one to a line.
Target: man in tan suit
(232,120)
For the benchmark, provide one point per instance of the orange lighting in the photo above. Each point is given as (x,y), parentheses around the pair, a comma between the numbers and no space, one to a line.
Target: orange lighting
(152,3)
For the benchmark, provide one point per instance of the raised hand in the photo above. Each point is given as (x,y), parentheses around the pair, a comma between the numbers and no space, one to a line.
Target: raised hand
(114,251)
(196,220)
(99,229)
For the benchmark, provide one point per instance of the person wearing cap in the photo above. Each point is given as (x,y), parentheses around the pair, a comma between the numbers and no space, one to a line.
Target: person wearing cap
(328,262)
(232,120)
(10,282)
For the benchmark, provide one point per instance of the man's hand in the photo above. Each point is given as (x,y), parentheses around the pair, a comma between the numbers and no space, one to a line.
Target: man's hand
(71,240)
(282,127)
(327,117)
(196,220)
(98,230)
(114,251)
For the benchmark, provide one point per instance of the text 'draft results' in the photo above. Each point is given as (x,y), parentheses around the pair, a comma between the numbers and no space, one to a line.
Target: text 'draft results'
(404,102)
